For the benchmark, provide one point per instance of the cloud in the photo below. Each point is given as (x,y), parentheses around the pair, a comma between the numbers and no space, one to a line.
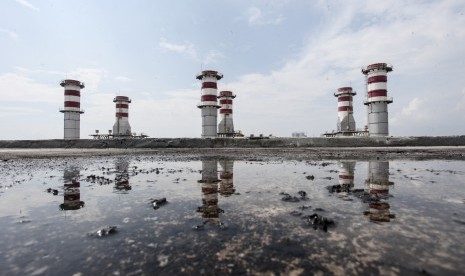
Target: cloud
(16,88)
(186,48)
(26,4)
(90,76)
(9,33)
(413,112)
(255,16)
(123,79)
(25,70)
(213,57)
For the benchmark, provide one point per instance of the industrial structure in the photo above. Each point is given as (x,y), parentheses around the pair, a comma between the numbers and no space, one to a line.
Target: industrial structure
(226,125)
(209,102)
(377,98)
(345,121)
(376,102)
(72,108)
(121,126)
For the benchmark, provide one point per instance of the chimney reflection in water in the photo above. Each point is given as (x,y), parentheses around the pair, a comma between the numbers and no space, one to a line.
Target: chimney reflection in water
(209,209)
(71,190)
(122,176)
(226,177)
(378,187)
(346,175)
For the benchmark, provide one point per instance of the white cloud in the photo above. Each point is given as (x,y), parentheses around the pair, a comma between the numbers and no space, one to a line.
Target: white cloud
(16,88)
(9,33)
(90,76)
(255,16)
(186,48)
(413,112)
(26,4)
(25,70)
(213,57)
(123,79)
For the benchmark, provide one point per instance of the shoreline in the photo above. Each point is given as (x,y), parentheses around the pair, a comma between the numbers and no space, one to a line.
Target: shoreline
(252,154)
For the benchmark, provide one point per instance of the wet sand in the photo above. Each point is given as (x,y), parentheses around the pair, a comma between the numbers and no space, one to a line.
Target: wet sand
(321,153)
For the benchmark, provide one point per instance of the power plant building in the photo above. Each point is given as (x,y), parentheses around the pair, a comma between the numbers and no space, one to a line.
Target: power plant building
(72,108)
(226,125)
(209,102)
(121,126)
(345,122)
(377,99)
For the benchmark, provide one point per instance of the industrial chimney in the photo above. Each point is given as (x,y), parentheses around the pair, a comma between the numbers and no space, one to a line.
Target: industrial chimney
(121,126)
(72,109)
(209,104)
(226,125)
(377,99)
(345,122)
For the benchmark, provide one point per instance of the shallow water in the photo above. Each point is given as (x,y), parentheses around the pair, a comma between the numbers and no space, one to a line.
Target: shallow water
(225,216)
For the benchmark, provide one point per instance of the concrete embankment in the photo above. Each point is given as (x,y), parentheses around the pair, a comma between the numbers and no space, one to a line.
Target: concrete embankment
(311,142)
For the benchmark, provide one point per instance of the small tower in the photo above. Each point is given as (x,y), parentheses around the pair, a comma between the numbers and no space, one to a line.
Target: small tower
(209,104)
(377,99)
(345,122)
(226,125)
(72,108)
(121,126)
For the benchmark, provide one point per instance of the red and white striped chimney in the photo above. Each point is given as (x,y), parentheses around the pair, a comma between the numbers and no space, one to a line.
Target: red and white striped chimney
(346,122)
(377,98)
(209,104)
(72,108)
(121,126)
(226,125)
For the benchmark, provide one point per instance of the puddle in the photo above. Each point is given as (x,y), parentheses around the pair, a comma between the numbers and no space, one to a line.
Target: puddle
(148,215)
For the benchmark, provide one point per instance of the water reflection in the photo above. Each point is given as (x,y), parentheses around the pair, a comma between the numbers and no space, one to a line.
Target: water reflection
(122,176)
(375,192)
(71,190)
(226,177)
(210,209)
(346,175)
(378,185)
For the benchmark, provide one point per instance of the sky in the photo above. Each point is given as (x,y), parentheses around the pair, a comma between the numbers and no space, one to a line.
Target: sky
(283,59)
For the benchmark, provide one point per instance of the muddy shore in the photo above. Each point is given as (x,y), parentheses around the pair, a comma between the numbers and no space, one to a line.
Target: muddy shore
(257,154)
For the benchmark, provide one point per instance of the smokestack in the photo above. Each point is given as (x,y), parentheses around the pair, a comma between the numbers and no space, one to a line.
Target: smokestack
(209,104)
(346,122)
(226,125)
(72,108)
(377,99)
(121,126)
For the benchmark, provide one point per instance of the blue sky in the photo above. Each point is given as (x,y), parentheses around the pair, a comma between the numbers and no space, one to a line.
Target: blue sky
(283,60)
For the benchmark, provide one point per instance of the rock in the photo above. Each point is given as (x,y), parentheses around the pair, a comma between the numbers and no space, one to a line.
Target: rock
(157,203)
(104,231)
(310,177)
